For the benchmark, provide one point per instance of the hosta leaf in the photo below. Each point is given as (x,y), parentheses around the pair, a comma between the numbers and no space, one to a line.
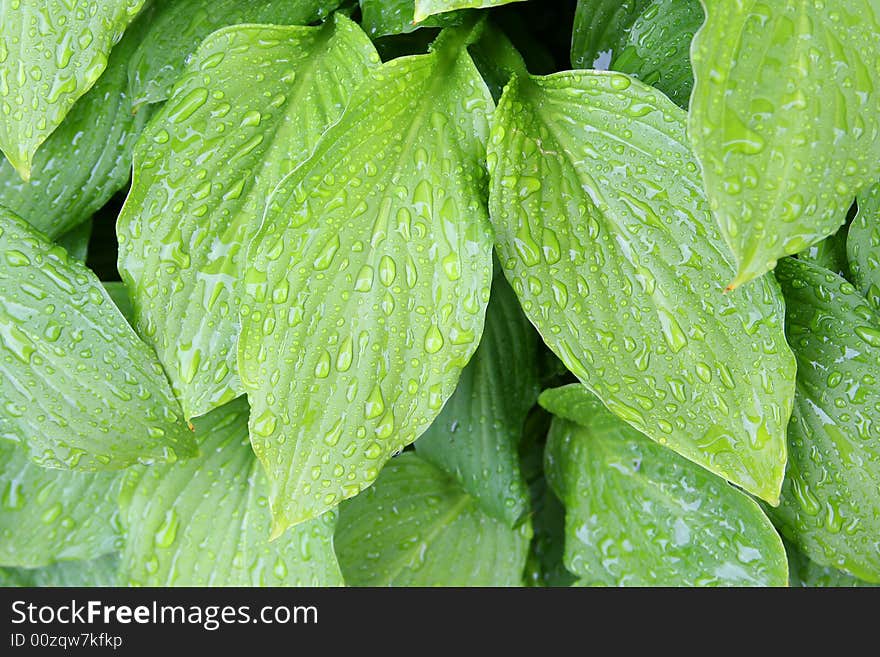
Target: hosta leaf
(51,53)
(573,402)
(203,171)
(86,159)
(598,27)
(180,25)
(119,294)
(830,253)
(830,508)
(806,573)
(369,281)
(79,388)
(604,232)
(53,515)
(417,527)
(426,8)
(785,120)
(205,521)
(863,246)
(76,241)
(94,572)
(386,17)
(649,39)
(638,514)
(476,437)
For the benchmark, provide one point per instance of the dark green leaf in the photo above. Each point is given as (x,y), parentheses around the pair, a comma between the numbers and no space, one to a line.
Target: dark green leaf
(386,17)
(863,246)
(426,8)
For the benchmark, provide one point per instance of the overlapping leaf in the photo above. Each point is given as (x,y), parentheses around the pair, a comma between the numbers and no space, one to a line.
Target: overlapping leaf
(598,26)
(51,53)
(76,241)
(180,25)
(205,521)
(638,514)
(386,17)
(426,8)
(368,281)
(251,106)
(78,387)
(806,573)
(830,508)
(476,437)
(86,159)
(417,527)
(785,119)
(605,234)
(94,572)
(53,515)
(863,246)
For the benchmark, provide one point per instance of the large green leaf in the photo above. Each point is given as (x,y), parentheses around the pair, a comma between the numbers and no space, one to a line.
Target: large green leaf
(387,17)
(638,514)
(830,253)
(830,507)
(476,437)
(805,573)
(94,572)
(785,119)
(417,527)
(426,8)
(368,281)
(86,159)
(863,246)
(180,25)
(78,387)
(51,53)
(649,39)
(205,521)
(53,515)
(252,104)
(605,234)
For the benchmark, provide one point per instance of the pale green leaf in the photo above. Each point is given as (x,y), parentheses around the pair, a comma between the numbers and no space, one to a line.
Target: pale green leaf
(386,17)
(78,386)
(180,25)
(604,232)
(368,281)
(597,30)
(49,515)
(830,507)
(476,437)
(863,246)
(830,253)
(76,241)
(51,53)
(805,573)
(427,8)
(205,521)
(94,572)
(785,119)
(87,158)
(251,105)
(417,527)
(573,402)
(638,514)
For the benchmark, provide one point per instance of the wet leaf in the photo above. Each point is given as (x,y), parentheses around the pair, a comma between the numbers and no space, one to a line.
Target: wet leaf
(426,8)
(417,527)
(784,120)
(806,573)
(605,235)
(863,246)
(78,387)
(368,281)
(387,17)
(95,572)
(76,241)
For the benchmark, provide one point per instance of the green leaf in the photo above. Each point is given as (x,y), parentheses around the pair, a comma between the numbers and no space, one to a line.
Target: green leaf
(784,120)
(573,402)
(96,572)
(51,56)
(53,515)
(830,253)
(385,17)
(806,573)
(606,237)
(830,508)
(79,388)
(180,25)
(476,437)
(76,241)
(426,8)
(87,158)
(368,281)
(638,514)
(205,521)
(250,107)
(119,294)
(598,28)
(863,246)
(417,527)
